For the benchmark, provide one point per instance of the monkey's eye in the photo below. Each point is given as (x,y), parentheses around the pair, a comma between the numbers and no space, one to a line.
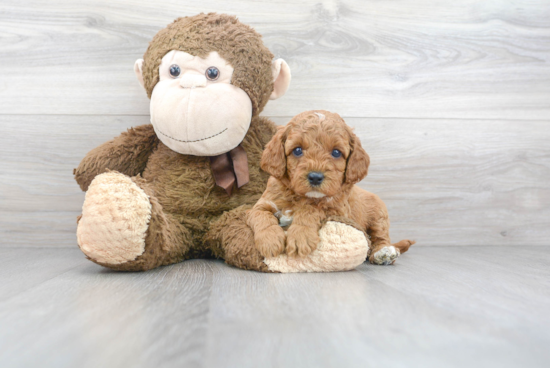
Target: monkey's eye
(175,71)
(297,151)
(212,73)
(336,153)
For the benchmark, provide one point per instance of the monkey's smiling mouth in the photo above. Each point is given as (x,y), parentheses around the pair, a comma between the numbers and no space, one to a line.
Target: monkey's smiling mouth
(196,140)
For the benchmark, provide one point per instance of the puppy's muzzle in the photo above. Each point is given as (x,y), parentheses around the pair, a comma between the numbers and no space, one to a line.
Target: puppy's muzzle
(315,178)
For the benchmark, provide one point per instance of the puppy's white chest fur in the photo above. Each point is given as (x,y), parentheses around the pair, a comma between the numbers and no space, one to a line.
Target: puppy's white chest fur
(314,194)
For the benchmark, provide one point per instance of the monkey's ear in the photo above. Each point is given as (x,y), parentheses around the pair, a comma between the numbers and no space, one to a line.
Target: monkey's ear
(358,162)
(274,159)
(138,70)
(281,78)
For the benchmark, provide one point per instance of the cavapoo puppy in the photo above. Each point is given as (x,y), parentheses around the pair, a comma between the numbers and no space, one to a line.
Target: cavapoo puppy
(314,162)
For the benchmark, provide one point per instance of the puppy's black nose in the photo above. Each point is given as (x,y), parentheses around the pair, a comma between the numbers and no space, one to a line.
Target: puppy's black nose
(315,178)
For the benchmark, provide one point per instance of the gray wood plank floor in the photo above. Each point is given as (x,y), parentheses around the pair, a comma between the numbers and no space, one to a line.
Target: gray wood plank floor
(436,307)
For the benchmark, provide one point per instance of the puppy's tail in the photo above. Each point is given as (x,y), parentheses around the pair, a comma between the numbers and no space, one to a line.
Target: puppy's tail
(403,245)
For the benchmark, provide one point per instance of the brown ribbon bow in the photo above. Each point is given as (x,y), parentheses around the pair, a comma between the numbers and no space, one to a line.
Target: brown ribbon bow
(229,167)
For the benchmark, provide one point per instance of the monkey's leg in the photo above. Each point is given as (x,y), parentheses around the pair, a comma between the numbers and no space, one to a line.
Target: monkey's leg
(230,238)
(383,252)
(123,227)
(343,246)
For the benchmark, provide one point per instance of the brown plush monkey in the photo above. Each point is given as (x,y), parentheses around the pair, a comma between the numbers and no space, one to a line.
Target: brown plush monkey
(180,187)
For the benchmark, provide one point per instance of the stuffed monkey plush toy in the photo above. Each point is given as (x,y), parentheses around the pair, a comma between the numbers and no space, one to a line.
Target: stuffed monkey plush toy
(180,187)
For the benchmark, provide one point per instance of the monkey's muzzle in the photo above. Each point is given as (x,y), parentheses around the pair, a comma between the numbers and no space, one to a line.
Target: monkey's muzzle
(205,121)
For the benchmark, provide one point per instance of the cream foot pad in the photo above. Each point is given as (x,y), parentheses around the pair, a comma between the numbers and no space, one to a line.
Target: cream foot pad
(342,248)
(115,218)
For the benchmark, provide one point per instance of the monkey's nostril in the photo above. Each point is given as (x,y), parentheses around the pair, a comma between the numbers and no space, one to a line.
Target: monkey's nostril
(192,80)
(315,178)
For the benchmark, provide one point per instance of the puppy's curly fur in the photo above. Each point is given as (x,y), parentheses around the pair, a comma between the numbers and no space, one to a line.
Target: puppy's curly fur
(321,143)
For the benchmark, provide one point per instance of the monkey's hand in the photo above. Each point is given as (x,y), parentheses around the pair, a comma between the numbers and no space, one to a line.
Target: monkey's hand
(270,241)
(128,154)
(301,240)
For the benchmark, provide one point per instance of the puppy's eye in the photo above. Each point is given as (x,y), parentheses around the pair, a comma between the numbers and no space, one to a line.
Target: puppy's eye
(297,151)
(175,71)
(212,73)
(336,153)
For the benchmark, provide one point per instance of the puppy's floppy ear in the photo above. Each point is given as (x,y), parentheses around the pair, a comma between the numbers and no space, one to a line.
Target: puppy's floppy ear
(357,166)
(274,158)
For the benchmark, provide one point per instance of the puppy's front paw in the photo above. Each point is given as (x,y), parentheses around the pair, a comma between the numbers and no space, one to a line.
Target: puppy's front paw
(385,256)
(301,241)
(270,242)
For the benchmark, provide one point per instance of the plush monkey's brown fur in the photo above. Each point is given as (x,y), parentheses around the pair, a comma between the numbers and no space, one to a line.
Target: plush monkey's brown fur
(237,43)
(189,217)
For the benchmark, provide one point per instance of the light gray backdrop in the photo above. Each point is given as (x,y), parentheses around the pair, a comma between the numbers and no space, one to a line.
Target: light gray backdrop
(450,99)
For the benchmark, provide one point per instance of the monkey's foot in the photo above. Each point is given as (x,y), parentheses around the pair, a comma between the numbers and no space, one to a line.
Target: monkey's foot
(342,248)
(385,256)
(115,218)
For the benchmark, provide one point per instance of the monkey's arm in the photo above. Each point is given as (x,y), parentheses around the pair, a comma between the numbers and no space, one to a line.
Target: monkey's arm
(260,132)
(128,154)
(266,129)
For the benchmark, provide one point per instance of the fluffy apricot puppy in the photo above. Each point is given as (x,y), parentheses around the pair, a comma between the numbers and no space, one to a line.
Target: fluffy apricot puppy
(314,162)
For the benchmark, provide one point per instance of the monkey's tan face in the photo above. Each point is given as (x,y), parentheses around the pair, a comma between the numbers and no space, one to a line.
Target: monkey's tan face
(195,109)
